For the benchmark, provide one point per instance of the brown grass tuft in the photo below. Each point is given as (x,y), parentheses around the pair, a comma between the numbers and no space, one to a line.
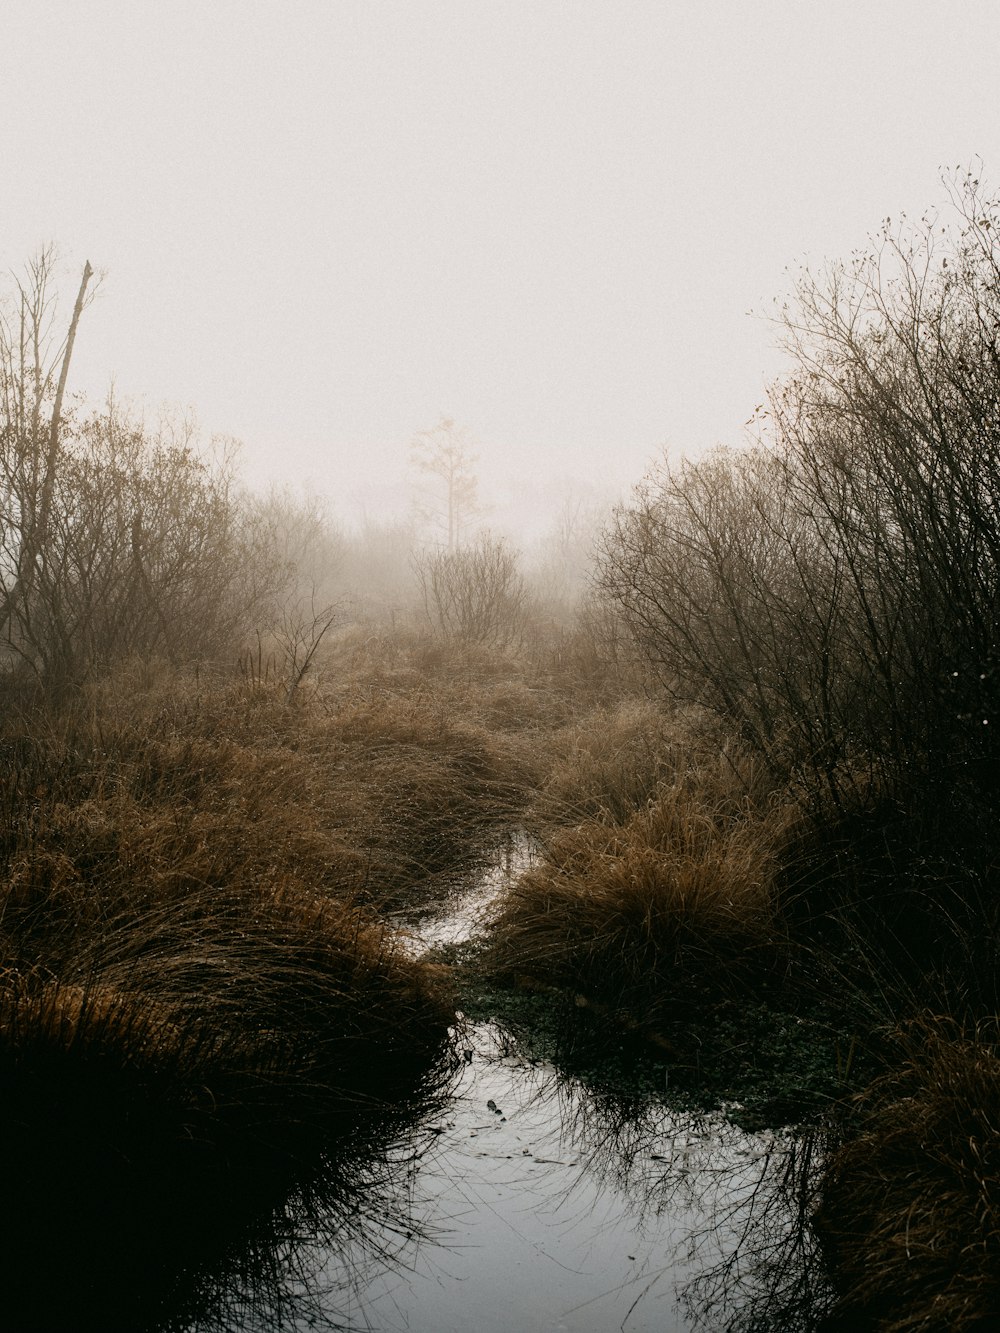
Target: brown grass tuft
(606,763)
(910,1213)
(187,938)
(677,899)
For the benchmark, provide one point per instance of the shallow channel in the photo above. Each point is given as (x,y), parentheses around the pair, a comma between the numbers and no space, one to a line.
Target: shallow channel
(540,1214)
(532,1205)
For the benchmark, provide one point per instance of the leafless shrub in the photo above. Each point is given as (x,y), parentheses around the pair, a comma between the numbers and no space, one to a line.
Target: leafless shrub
(146,553)
(475,594)
(833,590)
(561,561)
(115,539)
(721,580)
(298,553)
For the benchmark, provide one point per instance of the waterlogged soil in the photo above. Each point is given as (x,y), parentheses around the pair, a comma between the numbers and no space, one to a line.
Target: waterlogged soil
(763,1067)
(540,1209)
(577,1186)
(462,912)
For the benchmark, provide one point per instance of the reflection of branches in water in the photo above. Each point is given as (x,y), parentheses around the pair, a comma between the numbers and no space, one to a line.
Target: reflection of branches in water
(191,1242)
(747,1199)
(727,1211)
(772,1277)
(303,1264)
(760,1268)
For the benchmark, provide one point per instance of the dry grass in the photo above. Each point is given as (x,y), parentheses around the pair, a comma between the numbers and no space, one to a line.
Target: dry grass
(606,763)
(910,1216)
(187,935)
(226,1015)
(193,869)
(197,982)
(367,793)
(201,1001)
(170,1070)
(192,945)
(677,899)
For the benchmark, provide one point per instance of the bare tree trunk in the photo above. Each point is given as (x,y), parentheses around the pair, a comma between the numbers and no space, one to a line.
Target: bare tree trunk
(49,475)
(35,536)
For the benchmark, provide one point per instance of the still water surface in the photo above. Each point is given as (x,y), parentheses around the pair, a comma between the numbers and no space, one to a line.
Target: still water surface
(543,1215)
(532,1206)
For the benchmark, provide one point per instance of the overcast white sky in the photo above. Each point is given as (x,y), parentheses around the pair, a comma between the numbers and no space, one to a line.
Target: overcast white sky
(325,223)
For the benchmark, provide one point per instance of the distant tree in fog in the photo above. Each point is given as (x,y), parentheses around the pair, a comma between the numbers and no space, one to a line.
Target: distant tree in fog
(445,454)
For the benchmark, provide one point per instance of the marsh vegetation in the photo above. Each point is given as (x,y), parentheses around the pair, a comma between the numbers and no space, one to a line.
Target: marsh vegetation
(752,754)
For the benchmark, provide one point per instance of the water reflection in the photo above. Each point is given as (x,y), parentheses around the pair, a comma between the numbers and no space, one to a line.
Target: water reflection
(518,1196)
(772,1277)
(329,1238)
(557,1209)
(91,1241)
(527,1200)
(752,1262)
(561,1204)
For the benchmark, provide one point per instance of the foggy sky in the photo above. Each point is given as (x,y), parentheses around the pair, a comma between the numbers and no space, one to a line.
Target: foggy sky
(326,223)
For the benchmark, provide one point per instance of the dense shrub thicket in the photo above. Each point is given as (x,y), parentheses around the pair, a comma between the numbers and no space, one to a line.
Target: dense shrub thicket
(121,538)
(818,612)
(829,595)
(832,591)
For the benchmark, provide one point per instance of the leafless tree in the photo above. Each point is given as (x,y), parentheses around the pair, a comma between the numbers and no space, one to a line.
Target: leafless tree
(34,369)
(445,453)
(305,555)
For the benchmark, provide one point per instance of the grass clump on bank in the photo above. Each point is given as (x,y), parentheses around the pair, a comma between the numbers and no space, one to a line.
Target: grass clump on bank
(214,1048)
(168,1081)
(660,936)
(674,902)
(200,1006)
(605,763)
(910,1210)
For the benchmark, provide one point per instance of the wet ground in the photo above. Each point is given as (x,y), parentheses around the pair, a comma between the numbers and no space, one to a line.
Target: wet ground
(541,1214)
(533,1205)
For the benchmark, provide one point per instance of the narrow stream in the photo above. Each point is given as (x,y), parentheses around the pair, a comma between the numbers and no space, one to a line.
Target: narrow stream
(465,912)
(543,1216)
(538,1209)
